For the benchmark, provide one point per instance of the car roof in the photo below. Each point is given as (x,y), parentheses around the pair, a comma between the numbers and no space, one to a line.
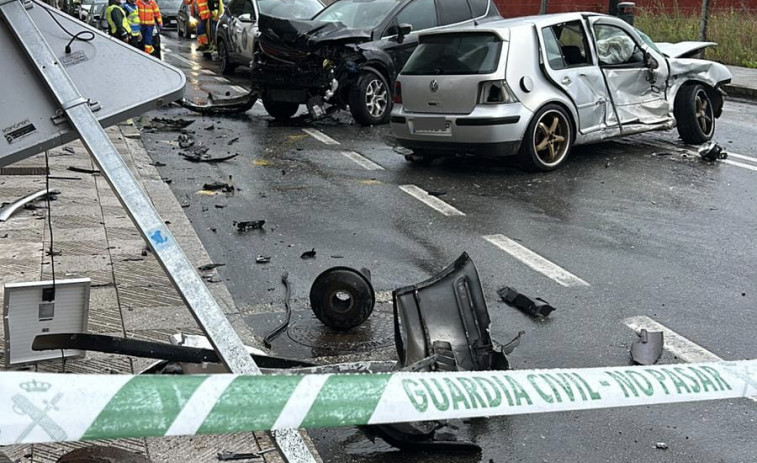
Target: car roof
(501,25)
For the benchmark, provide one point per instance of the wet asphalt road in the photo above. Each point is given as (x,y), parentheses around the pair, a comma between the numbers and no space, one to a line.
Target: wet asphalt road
(650,230)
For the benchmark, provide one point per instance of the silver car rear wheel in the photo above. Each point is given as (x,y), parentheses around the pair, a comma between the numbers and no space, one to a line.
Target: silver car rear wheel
(548,139)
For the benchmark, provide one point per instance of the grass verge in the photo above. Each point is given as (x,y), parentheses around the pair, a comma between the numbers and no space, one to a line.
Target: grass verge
(735,31)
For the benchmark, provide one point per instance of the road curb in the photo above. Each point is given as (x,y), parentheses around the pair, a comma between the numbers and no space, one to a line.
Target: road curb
(741,91)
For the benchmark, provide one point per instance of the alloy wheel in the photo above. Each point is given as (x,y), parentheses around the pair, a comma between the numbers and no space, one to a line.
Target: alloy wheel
(552,137)
(704,113)
(376,98)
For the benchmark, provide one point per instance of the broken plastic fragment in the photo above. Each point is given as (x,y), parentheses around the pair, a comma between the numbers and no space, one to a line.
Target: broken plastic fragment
(648,348)
(249,225)
(262,259)
(712,152)
(308,254)
(535,307)
(209,267)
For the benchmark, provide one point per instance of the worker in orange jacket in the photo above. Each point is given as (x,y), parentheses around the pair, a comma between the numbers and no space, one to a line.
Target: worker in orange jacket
(149,19)
(208,11)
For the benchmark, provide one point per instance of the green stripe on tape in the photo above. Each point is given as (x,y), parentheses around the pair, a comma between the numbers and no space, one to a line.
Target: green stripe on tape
(250,403)
(361,393)
(145,406)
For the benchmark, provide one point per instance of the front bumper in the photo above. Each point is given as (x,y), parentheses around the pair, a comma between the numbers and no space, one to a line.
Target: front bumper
(491,131)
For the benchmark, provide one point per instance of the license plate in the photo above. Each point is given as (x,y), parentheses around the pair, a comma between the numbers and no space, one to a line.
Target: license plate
(172,21)
(431,125)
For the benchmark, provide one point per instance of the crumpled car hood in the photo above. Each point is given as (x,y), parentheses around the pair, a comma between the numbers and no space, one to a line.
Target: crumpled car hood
(683,49)
(309,32)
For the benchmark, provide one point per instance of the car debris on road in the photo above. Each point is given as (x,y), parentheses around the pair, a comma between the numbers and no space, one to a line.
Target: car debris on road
(535,307)
(648,348)
(249,225)
(712,152)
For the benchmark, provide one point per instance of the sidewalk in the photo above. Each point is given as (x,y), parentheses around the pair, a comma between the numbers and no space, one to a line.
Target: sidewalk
(744,83)
(130,296)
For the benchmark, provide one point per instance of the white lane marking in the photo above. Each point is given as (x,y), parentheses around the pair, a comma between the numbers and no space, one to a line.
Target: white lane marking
(207,72)
(742,157)
(221,79)
(678,345)
(738,164)
(364,162)
(203,400)
(535,261)
(320,136)
(299,403)
(431,201)
(238,89)
(183,60)
(167,50)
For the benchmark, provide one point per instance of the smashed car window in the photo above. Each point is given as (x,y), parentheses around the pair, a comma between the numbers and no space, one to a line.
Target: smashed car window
(648,41)
(290,9)
(572,43)
(421,14)
(615,46)
(455,54)
(357,14)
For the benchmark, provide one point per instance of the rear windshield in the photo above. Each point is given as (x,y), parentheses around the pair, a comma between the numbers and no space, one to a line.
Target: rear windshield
(451,54)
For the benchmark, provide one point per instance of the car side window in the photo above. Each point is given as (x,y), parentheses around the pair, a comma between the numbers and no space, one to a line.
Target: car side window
(616,46)
(236,7)
(478,7)
(421,14)
(571,44)
(454,11)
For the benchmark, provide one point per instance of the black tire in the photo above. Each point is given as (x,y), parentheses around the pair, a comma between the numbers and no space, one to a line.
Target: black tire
(695,115)
(224,60)
(548,139)
(371,99)
(342,298)
(280,110)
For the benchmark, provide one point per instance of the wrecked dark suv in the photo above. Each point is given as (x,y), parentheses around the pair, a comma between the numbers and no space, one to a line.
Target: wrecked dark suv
(348,54)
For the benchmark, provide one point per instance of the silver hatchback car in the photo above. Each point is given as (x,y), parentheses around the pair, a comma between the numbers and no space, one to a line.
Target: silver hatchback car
(535,86)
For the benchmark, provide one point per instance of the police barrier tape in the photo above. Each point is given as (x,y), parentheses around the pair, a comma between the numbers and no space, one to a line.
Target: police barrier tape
(38,407)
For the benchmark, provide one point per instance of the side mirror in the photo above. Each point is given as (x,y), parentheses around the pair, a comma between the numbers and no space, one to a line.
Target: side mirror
(245,18)
(402,31)
(651,62)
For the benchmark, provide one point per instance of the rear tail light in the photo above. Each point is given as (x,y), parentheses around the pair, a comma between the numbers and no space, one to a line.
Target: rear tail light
(496,92)
(397,98)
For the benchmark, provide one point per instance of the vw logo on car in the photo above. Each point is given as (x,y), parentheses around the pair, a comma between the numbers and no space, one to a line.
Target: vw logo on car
(434,86)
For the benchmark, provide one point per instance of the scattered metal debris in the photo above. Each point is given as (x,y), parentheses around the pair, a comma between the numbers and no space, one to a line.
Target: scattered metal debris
(535,307)
(84,171)
(230,456)
(342,298)
(218,186)
(223,106)
(7,211)
(211,127)
(308,254)
(287,318)
(232,141)
(262,259)
(204,157)
(512,345)
(186,140)
(68,149)
(648,348)
(158,164)
(661,446)
(249,225)
(209,267)
(161,124)
(711,152)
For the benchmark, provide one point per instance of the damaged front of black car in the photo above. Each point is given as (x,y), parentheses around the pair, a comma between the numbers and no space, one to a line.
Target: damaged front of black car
(348,55)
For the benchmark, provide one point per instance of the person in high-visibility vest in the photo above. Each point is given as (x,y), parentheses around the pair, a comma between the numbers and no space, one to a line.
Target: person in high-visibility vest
(149,18)
(132,15)
(199,9)
(117,22)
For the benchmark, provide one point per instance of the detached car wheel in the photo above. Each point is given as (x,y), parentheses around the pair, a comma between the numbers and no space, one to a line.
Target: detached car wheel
(370,100)
(548,139)
(224,61)
(695,115)
(280,110)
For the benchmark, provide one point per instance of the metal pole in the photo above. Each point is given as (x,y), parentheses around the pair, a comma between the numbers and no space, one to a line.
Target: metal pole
(543,8)
(705,19)
(179,269)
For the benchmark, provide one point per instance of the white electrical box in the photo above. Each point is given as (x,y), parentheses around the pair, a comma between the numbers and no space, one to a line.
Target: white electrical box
(31,309)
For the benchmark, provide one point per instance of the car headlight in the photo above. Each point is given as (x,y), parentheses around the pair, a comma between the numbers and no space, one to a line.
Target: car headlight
(496,92)
(192,21)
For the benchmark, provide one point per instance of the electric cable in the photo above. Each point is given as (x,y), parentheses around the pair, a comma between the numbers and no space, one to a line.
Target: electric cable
(78,36)
(49,218)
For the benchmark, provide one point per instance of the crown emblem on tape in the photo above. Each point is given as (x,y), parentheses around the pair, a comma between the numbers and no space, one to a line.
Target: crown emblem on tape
(35,386)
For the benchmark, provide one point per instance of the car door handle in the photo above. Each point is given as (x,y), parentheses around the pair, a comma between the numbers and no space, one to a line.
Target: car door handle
(566,80)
